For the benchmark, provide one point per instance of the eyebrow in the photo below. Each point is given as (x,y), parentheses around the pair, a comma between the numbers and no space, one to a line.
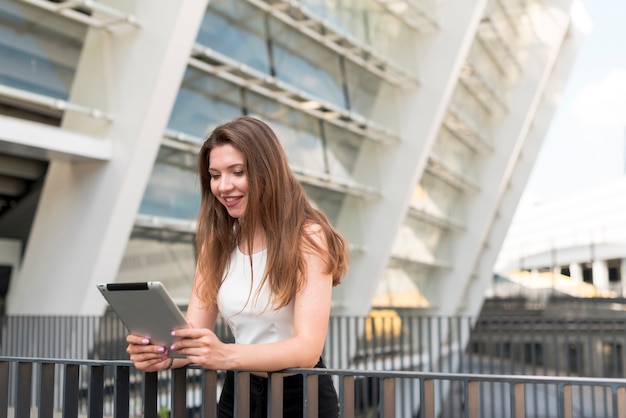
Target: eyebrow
(232,166)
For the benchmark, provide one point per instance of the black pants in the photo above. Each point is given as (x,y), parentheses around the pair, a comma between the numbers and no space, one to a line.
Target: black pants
(328,403)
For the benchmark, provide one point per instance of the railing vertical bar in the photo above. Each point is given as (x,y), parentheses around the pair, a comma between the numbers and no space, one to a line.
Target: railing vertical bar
(209,394)
(46,391)
(24,389)
(4,388)
(346,397)
(311,396)
(619,402)
(242,395)
(122,392)
(518,401)
(96,391)
(389,397)
(565,401)
(70,393)
(275,388)
(179,392)
(473,396)
(150,388)
(427,398)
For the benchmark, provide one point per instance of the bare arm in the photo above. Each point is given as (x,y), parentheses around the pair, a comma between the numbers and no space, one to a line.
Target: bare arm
(311,314)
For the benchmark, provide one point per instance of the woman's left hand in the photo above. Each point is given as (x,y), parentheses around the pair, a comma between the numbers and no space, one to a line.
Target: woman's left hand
(201,346)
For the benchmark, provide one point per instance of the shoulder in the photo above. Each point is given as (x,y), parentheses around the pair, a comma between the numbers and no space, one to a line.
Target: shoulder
(315,235)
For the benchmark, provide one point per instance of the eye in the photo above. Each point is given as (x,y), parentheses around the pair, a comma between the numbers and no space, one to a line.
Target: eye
(214,176)
(238,173)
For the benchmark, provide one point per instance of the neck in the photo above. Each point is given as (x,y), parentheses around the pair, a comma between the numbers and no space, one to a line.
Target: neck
(259,242)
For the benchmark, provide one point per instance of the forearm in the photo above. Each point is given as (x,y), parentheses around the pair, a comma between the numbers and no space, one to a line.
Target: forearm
(292,353)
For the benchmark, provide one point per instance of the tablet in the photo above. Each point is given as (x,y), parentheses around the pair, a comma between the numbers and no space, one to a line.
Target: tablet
(146,309)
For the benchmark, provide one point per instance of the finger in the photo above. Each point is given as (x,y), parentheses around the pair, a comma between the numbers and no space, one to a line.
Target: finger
(191,332)
(137,339)
(137,349)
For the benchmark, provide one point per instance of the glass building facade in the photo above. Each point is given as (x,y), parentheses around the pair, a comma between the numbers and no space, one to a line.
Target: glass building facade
(411,124)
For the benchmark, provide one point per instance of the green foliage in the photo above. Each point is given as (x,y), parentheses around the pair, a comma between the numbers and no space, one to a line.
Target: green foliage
(164,412)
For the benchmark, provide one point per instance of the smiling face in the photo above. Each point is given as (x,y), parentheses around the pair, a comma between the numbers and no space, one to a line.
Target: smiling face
(229,180)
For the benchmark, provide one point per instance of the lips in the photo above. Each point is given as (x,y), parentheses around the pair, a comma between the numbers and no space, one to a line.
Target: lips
(230,202)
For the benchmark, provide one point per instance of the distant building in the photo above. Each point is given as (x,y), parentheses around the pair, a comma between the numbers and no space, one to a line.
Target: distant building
(581,236)
(412,124)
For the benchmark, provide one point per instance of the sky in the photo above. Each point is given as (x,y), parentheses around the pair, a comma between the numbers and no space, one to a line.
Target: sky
(586,142)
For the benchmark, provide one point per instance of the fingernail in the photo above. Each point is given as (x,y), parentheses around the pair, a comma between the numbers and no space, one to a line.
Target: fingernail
(172,347)
(161,350)
(173,333)
(145,341)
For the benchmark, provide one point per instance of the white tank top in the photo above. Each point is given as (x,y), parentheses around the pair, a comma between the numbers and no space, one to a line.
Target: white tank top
(251,319)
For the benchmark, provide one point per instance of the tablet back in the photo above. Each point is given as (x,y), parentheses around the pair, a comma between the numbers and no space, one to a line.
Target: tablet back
(146,309)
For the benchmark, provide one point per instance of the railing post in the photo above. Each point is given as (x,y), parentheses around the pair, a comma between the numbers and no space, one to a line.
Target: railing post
(4,388)
(70,396)
(473,399)
(619,404)
(150,388)
(242,394)
(427,398)
(122,392)
(179,392)
(311,396)
(566,408)
(389,397)
(346,397)
(24,389)
(209,394)
(275,388)
(518,401)
(46,392)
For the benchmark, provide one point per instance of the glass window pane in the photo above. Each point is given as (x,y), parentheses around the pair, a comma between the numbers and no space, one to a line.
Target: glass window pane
(342,151)
(172,192)
(237,30)
(298,132)
(204,101)
(328,201)
(371,96)
(307,65)
(38,55)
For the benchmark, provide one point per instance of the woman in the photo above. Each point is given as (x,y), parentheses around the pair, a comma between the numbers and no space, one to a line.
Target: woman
(267,262)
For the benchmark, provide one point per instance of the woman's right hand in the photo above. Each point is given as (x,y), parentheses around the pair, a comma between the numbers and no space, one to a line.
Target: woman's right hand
(146,356)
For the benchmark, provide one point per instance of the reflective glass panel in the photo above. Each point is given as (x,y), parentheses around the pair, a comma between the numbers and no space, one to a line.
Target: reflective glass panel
(172,191)
(328,201)
(203,101)
(237,30)
(38,54)
(437,197)
(306,64)
(457,156)
(370,96)
(342,151)
(298,132)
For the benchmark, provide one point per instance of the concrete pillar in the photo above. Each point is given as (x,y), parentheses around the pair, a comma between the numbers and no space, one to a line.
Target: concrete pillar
(576,272)
(600,274)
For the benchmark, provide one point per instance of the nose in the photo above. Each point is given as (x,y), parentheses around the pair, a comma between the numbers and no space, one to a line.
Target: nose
(225,184)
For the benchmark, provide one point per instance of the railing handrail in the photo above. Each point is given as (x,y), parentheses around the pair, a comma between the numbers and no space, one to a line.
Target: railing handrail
(391,386)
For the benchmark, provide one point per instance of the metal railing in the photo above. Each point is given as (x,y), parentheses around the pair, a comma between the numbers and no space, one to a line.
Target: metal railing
(109,388)
(504,344)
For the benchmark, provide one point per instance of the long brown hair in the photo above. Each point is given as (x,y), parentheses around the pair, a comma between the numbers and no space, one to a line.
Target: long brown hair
(276,203)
